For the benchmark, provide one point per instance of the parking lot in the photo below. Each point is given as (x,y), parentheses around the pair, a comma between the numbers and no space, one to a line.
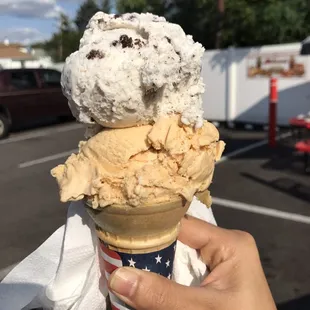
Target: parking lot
(262,191)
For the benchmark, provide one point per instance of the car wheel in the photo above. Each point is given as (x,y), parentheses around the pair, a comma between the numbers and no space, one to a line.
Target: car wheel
(4,126)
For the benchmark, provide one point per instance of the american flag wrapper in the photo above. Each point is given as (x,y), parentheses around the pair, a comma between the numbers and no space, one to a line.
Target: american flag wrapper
(142,237)
(160,262)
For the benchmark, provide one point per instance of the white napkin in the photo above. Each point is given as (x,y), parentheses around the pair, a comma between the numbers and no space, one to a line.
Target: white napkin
(63,273)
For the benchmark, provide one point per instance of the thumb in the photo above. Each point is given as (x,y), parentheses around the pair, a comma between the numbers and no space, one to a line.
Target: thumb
(146,290)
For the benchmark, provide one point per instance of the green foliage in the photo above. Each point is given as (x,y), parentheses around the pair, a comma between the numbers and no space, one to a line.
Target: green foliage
(63,42)
(86,11)
(105,6)
(66,40)
(245,22)
(38,45)
(251,23)
(158,7)
(60,46)
(197,17)
(124,6)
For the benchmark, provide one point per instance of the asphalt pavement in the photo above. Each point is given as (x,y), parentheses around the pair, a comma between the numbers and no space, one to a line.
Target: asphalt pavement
(262,191)
(274,188)
(29,196)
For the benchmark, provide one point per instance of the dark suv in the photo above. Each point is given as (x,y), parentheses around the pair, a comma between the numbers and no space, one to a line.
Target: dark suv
(30,96)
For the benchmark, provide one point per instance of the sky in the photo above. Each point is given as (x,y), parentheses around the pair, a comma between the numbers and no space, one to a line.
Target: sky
(28,21)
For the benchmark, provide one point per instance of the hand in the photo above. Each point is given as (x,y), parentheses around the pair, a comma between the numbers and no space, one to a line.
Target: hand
(236,280)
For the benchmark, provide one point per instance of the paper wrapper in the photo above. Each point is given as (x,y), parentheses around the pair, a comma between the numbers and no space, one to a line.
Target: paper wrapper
(142,237)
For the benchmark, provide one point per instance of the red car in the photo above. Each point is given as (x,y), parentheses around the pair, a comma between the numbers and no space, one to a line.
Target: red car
(29,96)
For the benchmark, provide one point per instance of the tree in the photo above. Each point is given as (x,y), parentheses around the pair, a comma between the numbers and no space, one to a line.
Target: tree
(251,23)
(244,22)
(191,15)
(197,17)
(86,11)
(64,41)
(157,7)
(106,6)
(124,6)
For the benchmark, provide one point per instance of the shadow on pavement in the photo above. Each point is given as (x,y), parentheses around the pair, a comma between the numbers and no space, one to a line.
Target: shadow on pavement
(282,158)
(302,303)
(285,185)
(285,158)
(237,139)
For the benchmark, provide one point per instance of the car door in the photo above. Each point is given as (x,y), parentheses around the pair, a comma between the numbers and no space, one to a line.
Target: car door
(51,89)
(22,96)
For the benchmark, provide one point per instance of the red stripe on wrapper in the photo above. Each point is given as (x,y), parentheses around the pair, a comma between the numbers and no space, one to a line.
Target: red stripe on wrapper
(110,261)
(108,251)
(108,267)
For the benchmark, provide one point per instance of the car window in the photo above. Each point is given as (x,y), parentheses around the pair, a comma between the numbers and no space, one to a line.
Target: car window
(23,80)
(51,78)
(1,81)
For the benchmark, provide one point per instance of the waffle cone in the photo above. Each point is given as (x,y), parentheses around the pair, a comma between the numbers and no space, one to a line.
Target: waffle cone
(141,229)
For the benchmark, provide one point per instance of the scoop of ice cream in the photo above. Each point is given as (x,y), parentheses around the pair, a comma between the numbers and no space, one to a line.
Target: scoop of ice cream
(132,69)
(140,165)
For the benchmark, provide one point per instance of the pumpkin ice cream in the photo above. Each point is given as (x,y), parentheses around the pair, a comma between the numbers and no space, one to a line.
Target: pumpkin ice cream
(142,165)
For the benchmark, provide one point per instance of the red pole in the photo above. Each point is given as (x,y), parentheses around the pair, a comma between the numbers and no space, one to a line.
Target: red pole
(273,100)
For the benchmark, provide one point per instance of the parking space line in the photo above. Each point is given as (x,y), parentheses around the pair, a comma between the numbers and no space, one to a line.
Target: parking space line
(261,210)
(46,159)
(250,147)
(41,133)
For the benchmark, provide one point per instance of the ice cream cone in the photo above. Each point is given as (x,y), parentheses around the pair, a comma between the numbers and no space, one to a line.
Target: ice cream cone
(144,141)
(139,229)
(143,237)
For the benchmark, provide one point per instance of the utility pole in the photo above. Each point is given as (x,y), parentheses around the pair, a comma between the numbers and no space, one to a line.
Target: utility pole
(61,49)
(61,45)
(220,20)
(62,25)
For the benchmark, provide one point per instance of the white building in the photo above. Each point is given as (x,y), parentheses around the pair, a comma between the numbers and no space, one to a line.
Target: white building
(237,83)
(15,56)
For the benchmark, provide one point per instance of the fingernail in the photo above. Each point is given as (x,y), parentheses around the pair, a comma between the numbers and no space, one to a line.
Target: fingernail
(124,281)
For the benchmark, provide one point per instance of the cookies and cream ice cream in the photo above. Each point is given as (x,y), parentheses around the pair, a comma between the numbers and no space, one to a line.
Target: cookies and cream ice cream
(133,69)
(140,165)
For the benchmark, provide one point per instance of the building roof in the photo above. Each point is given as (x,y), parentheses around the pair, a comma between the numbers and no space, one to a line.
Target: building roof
(14,51)
(18,45)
